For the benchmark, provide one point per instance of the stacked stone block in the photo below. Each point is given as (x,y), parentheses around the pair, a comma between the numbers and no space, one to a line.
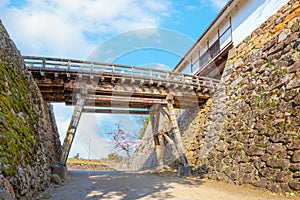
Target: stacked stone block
(260,140)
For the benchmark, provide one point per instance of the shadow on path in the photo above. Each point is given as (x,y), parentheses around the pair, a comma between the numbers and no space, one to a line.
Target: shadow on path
(119,185)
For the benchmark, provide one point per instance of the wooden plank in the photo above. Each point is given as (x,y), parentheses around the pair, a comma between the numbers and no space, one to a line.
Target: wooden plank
(126,99)
(192,81)
(117,111)
(67,62)
(52,90)
(151,91)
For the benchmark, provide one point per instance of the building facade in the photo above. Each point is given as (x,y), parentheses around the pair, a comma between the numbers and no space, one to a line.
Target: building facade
(237,20)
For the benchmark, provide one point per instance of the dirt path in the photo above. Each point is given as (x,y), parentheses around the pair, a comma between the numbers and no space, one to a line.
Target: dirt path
(128,185)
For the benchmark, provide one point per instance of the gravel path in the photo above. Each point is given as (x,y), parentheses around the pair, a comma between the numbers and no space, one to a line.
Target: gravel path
(129,185)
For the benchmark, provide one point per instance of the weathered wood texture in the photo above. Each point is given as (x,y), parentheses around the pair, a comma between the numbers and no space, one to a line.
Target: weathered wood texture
(112,85)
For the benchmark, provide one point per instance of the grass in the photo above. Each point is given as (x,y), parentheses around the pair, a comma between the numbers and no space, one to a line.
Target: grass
(83,161)
(264,91)
(272,103)
(258,99)
(280,69)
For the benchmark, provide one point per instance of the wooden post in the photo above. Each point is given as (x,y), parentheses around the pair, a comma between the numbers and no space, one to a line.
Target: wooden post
(177,136)
(72,129)
(162,150)
(155,118)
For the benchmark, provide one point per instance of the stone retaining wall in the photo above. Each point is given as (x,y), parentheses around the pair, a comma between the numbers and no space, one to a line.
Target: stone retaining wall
(258,142)
(29,141)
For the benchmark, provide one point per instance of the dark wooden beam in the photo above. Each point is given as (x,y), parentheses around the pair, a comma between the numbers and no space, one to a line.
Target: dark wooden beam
(116,111)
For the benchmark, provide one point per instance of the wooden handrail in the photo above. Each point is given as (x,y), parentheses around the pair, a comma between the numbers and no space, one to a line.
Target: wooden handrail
(116,70)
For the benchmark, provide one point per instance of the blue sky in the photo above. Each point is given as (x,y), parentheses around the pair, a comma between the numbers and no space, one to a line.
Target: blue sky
(98,29)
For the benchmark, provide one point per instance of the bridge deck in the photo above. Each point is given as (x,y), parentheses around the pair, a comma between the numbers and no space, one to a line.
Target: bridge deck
(115,88)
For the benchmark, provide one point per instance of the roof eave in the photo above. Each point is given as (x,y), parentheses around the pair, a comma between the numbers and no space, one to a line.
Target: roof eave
(203,34)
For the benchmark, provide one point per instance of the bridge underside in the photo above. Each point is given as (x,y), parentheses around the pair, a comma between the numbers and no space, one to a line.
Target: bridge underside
(108,88)
(125,95)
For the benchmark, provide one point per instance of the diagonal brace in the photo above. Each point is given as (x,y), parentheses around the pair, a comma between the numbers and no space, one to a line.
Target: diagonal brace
(72,129)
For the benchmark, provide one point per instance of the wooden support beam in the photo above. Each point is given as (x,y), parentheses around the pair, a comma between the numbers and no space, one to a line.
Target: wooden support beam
(162,150)
(154,120)
(177,136)
(170,141)
(165,113)
(116,111)
(153,91)
(72,129)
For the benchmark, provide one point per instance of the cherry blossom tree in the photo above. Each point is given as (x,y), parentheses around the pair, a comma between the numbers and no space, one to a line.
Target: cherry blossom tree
(121,140)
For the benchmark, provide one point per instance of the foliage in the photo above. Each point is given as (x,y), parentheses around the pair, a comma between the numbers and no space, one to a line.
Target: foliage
(142,121)
(144,127)
(114,157)
(122,140)
(258,99)
(76,156)
(272,103)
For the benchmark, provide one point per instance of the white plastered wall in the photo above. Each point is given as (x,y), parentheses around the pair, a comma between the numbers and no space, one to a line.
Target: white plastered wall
(250,15)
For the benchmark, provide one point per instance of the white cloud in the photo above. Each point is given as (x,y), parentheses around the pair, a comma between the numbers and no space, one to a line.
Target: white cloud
(218,4)
(215,4)
(191,7)
(88,129)
(72,28)
(158,66)
(63,116)
(90,137)
(4,2)
(91,130)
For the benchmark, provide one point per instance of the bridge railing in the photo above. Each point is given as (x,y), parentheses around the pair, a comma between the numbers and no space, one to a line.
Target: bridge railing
(118,71)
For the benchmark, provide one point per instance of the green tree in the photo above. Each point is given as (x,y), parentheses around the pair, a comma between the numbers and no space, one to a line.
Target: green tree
(143,129)
(76,156)
(114,157)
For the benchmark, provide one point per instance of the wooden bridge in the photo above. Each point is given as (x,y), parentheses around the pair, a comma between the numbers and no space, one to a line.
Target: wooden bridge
(112,88)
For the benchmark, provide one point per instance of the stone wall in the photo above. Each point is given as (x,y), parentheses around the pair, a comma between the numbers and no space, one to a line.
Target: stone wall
(29,141)
(258,142)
